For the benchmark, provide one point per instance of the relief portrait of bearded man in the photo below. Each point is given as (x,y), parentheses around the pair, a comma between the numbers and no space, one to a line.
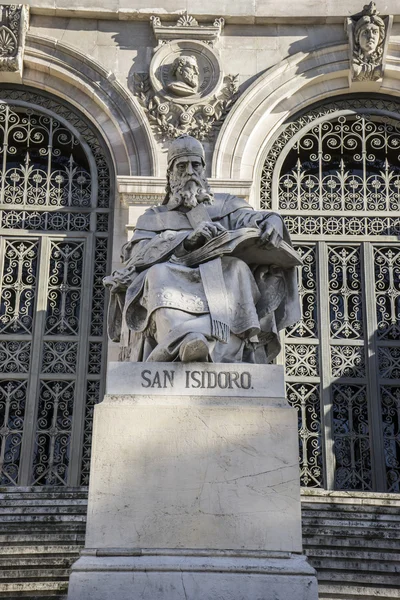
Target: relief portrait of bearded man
(185,73)
(224,309)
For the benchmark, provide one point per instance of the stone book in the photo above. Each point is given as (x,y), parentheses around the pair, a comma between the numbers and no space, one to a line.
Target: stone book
(242,244)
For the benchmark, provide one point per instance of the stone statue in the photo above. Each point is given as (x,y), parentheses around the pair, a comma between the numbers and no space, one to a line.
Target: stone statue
(185,74)
(369,38)
(205,277)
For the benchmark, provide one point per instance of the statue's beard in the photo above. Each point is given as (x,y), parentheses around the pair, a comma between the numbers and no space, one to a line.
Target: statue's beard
(188,191)
(191,79)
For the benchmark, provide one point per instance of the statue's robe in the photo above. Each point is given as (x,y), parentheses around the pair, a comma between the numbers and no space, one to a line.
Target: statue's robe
(260,300)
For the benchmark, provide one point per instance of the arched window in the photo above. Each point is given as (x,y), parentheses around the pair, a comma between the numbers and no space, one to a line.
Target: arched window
(54,221)
(334,173)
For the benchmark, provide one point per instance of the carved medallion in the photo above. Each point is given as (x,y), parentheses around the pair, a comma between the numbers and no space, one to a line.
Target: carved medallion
(185,90)
(185,71)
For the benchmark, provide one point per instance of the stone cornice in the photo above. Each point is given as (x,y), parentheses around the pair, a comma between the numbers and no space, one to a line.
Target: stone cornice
(251,12)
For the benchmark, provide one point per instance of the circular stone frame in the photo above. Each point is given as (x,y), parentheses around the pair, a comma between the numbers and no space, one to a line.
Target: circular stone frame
(211,74)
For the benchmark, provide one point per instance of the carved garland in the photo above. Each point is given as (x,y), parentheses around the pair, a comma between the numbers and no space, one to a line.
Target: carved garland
(170,119)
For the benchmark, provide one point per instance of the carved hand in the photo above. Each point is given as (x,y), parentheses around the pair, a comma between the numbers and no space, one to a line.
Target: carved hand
(204,232)
(270,235)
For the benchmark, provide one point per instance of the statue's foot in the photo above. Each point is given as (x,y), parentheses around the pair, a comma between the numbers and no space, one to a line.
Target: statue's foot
(194,348)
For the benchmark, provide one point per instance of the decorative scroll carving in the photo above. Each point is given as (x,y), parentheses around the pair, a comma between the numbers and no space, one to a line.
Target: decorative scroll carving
(54,424)
(92,398)
(334,171)
(13,27)
(348,361)
(347,226)
(368,38)
(45,221)
(345,292)
(64,289)
(98,297)
(387,290)
(301,360)
(390,397)
(305,398)
(351,437)
(367,138)
(171,120)
(15,356)
(187,27)
(185,90)
(389,362)
(18,286)
(333,167)
(12,411)
(46,186)
(307,327)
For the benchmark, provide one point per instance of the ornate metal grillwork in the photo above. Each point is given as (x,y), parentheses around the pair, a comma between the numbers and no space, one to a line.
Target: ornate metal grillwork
(334,174)
(54,198)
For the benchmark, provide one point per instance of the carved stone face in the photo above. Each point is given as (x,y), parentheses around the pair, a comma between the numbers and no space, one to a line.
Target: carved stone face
(185,73)
(188,182)
(189,74)
(369,37)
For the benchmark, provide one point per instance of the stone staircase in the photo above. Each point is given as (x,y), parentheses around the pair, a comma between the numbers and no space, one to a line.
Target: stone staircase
(352,539)
(41,533)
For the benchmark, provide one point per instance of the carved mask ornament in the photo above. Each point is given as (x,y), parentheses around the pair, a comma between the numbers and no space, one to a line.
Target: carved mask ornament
(369,35)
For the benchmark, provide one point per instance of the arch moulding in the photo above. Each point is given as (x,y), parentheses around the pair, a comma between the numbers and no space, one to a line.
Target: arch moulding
(68,74)
(282,91)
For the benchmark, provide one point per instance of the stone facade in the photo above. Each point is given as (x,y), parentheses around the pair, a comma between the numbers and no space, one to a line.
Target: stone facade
(270,74)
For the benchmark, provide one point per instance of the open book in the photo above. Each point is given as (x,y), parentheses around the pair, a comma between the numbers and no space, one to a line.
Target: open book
(244,244)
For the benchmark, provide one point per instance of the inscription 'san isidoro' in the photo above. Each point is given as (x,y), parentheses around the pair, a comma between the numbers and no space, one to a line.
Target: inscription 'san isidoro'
(197,379)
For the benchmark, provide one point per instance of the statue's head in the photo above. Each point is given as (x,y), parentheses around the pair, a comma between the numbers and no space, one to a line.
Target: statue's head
(369,31)
(185,69)
(187,184)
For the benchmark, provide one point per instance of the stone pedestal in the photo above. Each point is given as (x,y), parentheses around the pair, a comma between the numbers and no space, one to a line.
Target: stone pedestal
(194,489)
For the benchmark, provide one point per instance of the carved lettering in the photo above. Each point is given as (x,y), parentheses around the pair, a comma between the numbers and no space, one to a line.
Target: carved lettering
(245,380)
(169,375)
(164,380)
(144,375)
(222,380)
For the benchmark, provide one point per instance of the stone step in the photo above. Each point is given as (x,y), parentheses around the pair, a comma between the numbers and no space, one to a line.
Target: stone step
(33,550)
(42,525)
(345,523)
(358,577)
(33,588)
(359,564)
(315,495)
(356,554)
(360,543)
(24,566)
(9,511)
(42,494)
(41,538)
(352,532)
(34,574)
(50,502)
(43,518)
(348,509)
(389,514)
(328,591)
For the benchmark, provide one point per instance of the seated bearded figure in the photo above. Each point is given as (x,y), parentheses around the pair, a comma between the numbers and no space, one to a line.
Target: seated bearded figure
(185,293)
